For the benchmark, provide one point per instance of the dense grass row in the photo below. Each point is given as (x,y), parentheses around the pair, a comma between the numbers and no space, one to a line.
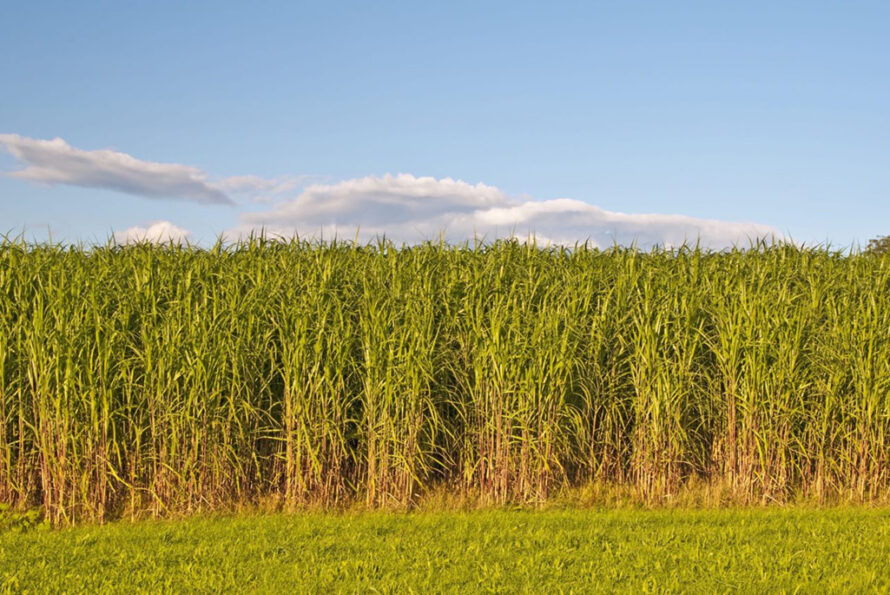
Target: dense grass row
(170,379)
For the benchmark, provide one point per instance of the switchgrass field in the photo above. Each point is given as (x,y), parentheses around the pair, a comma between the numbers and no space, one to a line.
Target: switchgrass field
(632,551)
(167,380)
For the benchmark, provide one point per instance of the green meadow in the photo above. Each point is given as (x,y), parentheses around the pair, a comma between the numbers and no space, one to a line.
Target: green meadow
(787,550)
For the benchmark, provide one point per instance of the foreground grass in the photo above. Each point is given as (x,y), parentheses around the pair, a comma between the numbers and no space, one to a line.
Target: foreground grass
(627,550)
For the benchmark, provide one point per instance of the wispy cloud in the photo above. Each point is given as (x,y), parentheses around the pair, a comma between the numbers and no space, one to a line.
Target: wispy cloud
(56,162)
(158,232)
(261,190)
(408,208)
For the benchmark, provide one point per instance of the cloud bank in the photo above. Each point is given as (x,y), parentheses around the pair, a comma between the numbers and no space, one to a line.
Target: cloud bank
(409,209)
(56,162)
(403,208)
(159,232)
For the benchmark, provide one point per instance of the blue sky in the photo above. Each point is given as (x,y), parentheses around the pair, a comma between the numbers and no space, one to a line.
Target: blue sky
(771,113)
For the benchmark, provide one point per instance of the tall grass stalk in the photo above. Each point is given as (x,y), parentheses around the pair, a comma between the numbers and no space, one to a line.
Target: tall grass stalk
(173,379)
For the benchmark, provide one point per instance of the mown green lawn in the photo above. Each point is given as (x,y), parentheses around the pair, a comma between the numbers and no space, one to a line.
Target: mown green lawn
(545,551)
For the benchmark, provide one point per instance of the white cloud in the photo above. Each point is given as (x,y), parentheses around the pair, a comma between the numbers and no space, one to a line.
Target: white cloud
(56,162)
(408,208)
(258,189)
(159,232)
